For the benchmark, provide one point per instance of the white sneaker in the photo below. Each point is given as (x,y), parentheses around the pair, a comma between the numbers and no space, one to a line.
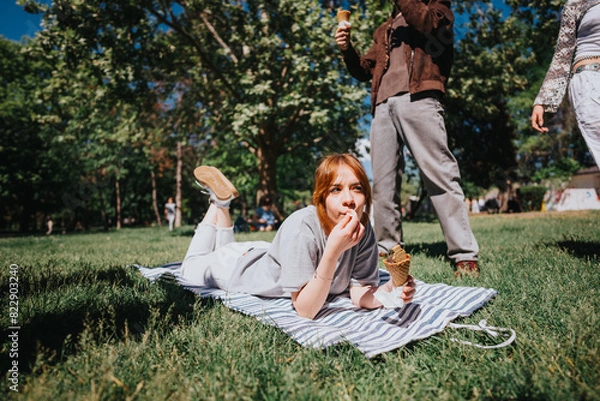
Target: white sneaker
(220,189)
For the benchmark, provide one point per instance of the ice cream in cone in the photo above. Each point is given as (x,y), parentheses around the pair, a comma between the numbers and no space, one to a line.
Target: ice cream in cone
(343,17)
(398,264)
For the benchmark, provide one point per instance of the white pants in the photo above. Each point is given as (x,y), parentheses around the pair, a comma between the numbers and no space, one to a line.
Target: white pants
(584,94)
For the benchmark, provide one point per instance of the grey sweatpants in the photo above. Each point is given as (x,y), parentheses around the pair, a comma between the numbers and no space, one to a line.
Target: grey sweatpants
(212,255)
(418,125)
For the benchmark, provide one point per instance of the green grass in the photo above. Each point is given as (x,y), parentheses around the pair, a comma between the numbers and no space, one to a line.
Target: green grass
(93,329)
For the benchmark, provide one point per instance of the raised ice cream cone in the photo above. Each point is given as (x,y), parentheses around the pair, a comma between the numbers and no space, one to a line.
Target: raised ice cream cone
(343,17)
(398,264)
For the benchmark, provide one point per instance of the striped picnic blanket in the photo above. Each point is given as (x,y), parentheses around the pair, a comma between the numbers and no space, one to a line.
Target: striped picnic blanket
(372,331)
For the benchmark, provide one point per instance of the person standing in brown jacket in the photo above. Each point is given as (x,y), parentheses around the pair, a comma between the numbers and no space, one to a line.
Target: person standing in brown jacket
(409,64)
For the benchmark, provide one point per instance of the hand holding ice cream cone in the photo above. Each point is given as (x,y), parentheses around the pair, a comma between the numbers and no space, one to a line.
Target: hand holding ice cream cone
(401,288)
(342,34)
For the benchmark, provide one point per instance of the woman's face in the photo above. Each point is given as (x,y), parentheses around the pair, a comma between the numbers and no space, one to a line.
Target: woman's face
(345,194)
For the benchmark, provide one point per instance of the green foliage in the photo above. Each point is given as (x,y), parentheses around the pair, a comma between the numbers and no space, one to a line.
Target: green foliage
(247,85)
(106,91)
(491,64)
(563,169)
(471,190)
(36,169)
(92,328)
(564,139)
(502,56)
(291,97)
(563,144)
(532,197)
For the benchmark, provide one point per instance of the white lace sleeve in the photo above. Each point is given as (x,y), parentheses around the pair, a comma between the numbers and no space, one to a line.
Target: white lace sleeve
(555,84)
(557,78)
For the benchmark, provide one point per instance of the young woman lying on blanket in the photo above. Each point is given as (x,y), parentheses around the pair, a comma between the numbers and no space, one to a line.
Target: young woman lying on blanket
(322,250)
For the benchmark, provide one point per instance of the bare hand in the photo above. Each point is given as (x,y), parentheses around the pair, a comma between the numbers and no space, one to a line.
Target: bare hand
(537,118)
(408,292)
(347,233)
(342,36)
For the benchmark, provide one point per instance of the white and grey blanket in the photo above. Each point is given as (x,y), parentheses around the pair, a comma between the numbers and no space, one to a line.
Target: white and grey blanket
(371,331)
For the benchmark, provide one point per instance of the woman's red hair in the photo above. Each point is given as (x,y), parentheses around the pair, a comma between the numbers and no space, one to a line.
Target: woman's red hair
(325,176)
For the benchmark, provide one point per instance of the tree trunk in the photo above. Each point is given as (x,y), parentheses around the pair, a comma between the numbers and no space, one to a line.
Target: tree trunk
(118,203)
(178,185)
(267,171)
(104,221)
(103,208)
(25,217)
(154,198)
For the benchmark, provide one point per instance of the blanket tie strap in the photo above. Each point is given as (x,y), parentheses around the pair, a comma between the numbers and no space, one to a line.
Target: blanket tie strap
(482,326)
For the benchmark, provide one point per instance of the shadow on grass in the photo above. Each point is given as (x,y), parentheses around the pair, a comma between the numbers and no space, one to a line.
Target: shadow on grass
(422,217)
(185,232)
(36,282)
(57,333)
(433,250)
(581,249)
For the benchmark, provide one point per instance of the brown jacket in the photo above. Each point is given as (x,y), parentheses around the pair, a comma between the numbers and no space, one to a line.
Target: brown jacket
(429,48)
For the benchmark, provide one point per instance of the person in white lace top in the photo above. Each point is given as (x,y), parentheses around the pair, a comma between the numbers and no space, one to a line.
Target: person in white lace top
(576,64)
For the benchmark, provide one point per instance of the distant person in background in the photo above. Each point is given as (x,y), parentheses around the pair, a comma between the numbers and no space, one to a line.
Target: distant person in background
(265,218)
(474,206)
(576,64)
(509,198)
(49,225)
(170,212)
(481,202)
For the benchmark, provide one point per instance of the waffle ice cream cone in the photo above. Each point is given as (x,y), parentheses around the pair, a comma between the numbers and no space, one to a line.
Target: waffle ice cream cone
(343,17)
(398,264)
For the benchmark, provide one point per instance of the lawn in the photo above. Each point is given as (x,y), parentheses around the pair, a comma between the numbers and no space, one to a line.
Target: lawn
(90,328)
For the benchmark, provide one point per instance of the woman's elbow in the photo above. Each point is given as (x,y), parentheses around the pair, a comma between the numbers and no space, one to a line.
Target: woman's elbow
(357,303)
(362,297)
(306,313)
(361,302)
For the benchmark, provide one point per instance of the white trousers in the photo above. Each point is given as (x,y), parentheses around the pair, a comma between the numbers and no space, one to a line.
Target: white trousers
(584,94)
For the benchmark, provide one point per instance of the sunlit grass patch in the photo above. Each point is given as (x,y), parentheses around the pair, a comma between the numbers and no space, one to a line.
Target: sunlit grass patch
(93,328)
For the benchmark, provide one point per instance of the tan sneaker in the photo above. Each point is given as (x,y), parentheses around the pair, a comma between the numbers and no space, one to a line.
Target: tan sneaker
(221,190)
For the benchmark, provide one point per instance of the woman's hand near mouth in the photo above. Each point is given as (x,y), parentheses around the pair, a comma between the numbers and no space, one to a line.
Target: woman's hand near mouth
(346,233)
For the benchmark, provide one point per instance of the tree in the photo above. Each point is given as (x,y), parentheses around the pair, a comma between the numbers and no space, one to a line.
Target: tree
(36,169)
(262,77)
(563,148)
(490,66)
(503,52)
(258,89)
